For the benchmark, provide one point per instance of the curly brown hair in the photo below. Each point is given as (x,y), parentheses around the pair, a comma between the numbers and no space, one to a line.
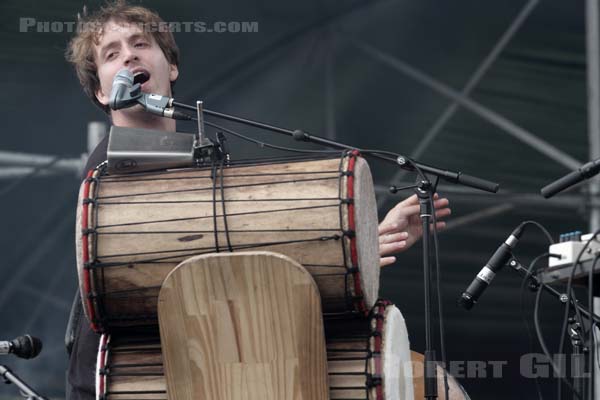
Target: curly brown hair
(80,51)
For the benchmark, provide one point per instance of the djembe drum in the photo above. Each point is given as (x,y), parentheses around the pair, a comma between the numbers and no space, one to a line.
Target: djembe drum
(134,229)
(368,359)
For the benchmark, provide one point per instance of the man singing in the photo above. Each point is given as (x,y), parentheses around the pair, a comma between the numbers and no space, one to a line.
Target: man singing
(115,37)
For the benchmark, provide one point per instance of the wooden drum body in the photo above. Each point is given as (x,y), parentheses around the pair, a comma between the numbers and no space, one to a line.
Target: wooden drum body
(132,230)
(371,362)
(367,358)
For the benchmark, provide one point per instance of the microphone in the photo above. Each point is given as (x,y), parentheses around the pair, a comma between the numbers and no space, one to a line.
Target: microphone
(125,94)
(586,171)
(25,346)
(161,105)
(120,95)
(488,272)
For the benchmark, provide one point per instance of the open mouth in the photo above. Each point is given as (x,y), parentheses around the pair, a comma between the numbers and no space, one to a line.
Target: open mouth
(141,77)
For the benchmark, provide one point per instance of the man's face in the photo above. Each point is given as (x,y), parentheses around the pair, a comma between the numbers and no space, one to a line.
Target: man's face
(125,46)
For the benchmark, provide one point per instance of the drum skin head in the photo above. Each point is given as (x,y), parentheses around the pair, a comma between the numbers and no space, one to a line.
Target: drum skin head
(397,382)
(367,241)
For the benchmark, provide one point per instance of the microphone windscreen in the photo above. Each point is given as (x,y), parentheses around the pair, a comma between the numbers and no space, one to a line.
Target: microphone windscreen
(27,346)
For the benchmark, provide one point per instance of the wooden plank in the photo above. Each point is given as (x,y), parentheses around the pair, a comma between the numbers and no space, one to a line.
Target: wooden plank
(242,326)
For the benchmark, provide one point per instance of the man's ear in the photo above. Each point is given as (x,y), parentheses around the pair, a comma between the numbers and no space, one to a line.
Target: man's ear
(173,72)
(101,97)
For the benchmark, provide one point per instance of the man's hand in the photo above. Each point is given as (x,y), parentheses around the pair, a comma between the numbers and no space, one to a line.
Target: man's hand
(402,226)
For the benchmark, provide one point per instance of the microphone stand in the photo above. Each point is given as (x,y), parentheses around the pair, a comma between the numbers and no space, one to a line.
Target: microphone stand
(403,162)
(26,390)
(534,284)
(575,328)
(424,192)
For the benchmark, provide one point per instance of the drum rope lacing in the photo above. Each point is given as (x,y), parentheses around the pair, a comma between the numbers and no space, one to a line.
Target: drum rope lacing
(372,353)
(370,337)
(152,369)
(354,297)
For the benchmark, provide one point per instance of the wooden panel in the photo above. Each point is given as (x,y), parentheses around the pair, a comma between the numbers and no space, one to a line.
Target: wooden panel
(242,326)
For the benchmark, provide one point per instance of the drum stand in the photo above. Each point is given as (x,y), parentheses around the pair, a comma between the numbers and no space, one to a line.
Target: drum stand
(26,391)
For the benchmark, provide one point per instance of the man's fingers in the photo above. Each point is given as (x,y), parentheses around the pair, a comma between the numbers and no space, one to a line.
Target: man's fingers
(444,212)
(410,210)
(410,200)
(393,237)
(388,227)
(440,203)
(391,248)
(383,261)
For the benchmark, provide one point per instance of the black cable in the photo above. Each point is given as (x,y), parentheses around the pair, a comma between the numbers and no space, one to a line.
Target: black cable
(543,343)
(223,206)
(524,319)
(213,174)
(591,341)
(571,298)
(439,297)
(541,227)
(282,148)
(267,145)
(595,326)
